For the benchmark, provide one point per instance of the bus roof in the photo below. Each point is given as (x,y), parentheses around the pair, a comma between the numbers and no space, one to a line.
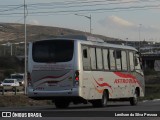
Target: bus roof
(109,45)
(90,40)
(95,41)
(82,37)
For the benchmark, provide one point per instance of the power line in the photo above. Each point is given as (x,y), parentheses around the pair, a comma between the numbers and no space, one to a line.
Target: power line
(69,2)
(90,10)
(85,10)
(11,5)
(76,2)
(84,2)
(100,9)
(42,7)
(15,8)
(22,18)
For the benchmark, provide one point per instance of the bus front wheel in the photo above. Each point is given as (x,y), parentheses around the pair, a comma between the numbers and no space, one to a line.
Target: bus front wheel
(134,99)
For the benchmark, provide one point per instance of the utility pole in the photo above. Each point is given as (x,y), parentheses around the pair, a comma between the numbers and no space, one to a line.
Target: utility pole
(25,46)
(126,41)
(140,36)
(90,20)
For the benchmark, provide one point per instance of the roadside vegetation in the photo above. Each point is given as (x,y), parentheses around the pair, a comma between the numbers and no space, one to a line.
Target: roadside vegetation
(152,91)
(20,101)
(9,65)
(152,84)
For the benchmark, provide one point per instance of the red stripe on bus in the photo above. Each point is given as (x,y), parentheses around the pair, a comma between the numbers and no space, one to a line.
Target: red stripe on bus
(104,84)
(124,75)
(128,76)
(52,77)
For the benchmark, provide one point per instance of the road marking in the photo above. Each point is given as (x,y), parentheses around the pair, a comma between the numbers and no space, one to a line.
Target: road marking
(151,100)
(145,100)
(156,100)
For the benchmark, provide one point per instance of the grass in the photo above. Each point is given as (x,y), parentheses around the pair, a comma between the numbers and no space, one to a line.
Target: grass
(152,91)
(20,100)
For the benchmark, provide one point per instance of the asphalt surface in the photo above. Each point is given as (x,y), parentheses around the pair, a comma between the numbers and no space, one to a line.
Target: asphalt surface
(114,111)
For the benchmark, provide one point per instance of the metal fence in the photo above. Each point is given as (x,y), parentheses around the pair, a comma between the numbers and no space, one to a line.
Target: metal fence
(11,89)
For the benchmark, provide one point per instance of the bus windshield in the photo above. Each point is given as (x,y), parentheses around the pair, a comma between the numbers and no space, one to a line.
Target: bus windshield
(53,51)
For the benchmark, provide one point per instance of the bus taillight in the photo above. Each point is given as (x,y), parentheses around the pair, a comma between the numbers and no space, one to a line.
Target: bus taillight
(77,75)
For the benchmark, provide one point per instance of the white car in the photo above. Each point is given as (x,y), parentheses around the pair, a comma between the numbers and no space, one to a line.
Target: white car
(10,82)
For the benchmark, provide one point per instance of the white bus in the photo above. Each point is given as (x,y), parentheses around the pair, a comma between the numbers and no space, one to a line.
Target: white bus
(82,69)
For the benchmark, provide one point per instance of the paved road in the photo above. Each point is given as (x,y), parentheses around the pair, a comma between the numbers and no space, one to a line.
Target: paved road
(153,105)
(81,111)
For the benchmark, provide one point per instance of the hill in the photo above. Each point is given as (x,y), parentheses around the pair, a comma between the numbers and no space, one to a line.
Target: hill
(12,32)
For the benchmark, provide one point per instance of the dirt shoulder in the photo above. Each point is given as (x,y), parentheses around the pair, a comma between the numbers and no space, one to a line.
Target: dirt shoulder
(20,100)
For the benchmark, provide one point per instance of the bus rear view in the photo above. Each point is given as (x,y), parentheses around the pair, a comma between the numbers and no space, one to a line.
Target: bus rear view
(82,69)
(51,73)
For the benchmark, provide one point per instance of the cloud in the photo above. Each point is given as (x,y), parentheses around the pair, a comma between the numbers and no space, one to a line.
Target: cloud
(116,22)
(150,28)
(34,22)
(121,22)
(119,27)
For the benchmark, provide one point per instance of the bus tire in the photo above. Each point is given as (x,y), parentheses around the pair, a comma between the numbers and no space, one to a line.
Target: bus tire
(61,104)
(134,99)
(101,102)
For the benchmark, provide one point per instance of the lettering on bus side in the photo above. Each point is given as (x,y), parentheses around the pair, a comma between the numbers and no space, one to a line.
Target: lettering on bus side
(132,81)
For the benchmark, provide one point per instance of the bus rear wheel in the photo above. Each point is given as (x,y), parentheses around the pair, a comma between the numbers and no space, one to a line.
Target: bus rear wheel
(134,99)
(61,103)
(101,102)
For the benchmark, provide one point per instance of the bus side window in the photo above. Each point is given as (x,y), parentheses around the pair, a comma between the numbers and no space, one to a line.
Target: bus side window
(93,58)
(106,59)
(86,59)
(118,59)
(112,59)
(85,53)
(124,60)
(99,58)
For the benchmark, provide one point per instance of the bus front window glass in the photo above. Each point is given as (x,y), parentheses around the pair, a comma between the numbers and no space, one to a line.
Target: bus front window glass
(137,63)
(131,59)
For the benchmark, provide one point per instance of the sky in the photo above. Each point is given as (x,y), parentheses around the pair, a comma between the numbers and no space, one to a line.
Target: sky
(131,20)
